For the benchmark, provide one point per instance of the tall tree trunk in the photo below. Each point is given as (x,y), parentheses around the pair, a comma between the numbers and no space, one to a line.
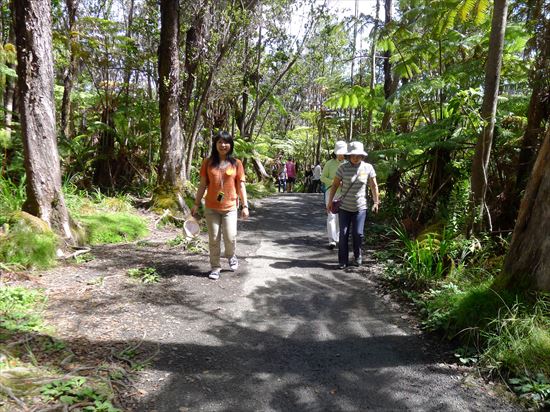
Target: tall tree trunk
(539,108)
(9,96)
(128,68)
(351,109)
(527,264)
(171,170)
(482,153)
(70,73)
(105,162)
(36,85)
(389,81)
(373,63)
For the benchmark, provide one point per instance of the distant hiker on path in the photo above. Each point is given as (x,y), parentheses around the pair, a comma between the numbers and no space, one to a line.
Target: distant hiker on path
(327,177)
(281,176)
(353,177)
(222,176)
(291,174)
(316,179)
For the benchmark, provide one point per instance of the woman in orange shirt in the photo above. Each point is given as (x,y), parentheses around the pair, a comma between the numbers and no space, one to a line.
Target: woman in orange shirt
(223,179)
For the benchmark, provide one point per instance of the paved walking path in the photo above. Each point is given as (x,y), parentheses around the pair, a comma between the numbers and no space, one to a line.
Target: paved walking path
(290,332)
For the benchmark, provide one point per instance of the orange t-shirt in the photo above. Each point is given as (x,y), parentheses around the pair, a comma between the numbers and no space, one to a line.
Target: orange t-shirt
(226,180)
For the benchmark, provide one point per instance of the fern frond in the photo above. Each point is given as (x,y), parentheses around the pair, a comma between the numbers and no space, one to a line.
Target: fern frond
(481,11)
(465,9)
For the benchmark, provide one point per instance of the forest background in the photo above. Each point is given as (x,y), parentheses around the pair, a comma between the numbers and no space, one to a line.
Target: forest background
(450,97)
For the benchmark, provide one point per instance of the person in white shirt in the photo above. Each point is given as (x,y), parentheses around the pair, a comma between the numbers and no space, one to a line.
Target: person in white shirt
(316,179)
(327,177)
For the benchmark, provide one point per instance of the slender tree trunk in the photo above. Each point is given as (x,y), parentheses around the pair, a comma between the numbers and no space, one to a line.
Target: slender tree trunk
(171,170)
(373,63)
(127,69)
(389,87)
(9,92)
(351,109)
(72,6)
(527,264)
(36,85)
(480,163)
(539,109)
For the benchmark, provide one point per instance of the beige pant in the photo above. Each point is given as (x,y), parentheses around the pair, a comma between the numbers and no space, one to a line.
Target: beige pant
(219,222)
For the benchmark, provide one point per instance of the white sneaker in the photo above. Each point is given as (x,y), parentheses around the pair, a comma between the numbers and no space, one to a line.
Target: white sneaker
(233,263)
(215,274)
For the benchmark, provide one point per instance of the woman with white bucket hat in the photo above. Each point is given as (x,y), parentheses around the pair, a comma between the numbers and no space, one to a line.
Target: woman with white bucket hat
(327,176)
(352,178)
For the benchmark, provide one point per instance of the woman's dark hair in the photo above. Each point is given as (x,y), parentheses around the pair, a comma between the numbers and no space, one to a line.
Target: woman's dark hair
(215,156)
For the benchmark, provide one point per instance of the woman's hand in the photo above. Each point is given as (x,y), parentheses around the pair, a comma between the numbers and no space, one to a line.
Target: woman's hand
(375,208)
(194,210)
(245,213)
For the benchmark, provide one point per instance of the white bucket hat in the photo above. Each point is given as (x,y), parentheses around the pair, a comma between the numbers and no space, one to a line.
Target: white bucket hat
(356,148)
(191,227)
(340,148)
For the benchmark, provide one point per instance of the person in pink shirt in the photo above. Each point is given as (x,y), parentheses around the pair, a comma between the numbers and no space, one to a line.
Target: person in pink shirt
(291,174)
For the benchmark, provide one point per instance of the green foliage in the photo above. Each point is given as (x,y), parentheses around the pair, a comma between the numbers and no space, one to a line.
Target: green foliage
(12,196)
(24,246)
(423,260)
(192,245)
(113,227)
(535,390)
(145,275)
(84,258)
(19,309)
(518,338)
(72,391)
(258,190)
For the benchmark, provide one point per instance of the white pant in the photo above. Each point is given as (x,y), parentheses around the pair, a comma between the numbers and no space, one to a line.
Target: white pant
(333,228)
(219,222)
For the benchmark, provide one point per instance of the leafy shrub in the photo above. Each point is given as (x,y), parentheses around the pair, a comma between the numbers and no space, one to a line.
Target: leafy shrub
(145,275)
(423,260)
(73,391)
(193,245)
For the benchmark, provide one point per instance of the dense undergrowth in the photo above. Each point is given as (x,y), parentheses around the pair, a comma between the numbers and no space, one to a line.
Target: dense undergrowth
(451,280)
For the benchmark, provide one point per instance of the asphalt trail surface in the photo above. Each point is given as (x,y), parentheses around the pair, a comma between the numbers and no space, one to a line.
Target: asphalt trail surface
(291,332)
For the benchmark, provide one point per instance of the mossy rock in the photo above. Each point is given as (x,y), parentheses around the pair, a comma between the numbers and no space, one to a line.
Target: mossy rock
(36,224)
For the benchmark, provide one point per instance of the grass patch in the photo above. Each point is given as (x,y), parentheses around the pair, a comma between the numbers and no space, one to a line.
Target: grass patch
(19,310)
(113,227)
(25,246)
